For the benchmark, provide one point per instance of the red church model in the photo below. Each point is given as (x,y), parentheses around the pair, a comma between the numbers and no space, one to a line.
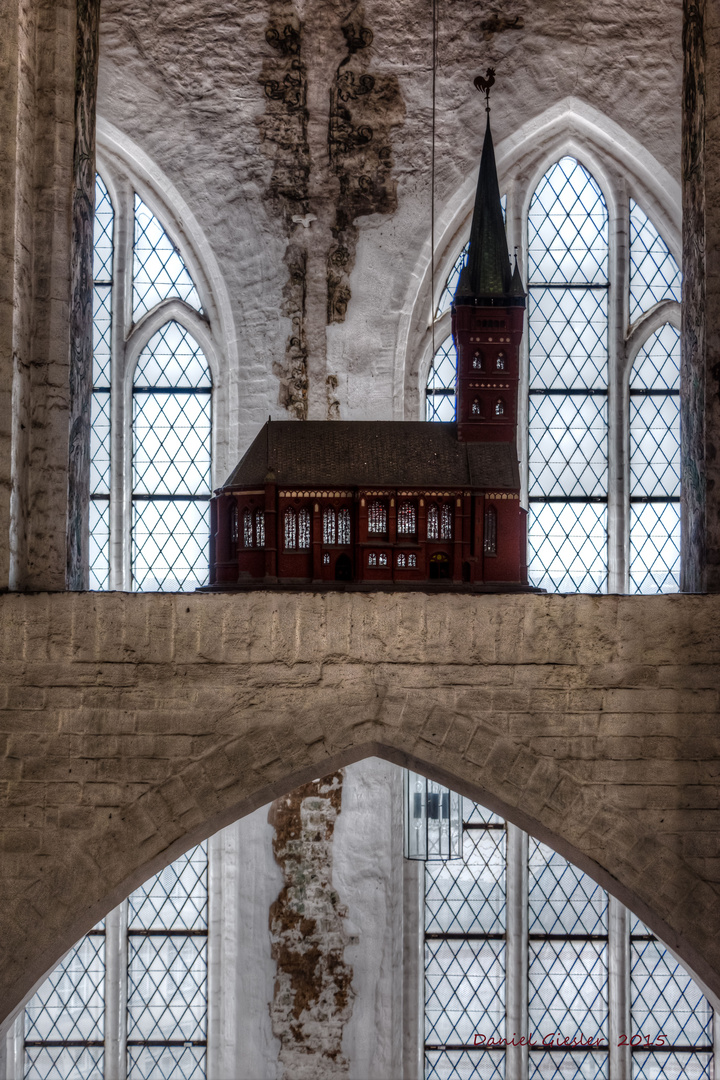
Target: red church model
(397,504)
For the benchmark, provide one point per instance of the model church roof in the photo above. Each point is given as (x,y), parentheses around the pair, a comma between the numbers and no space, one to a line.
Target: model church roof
(362,453)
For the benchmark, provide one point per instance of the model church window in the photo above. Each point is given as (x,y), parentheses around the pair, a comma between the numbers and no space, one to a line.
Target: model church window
(499,407)
(476,407)
(382,559)
(329,526)
(377,518)
(304,528)
(247,528)
(501,362)
(260,528)
(372,559)
(344,525)
(401,559)
(407,519)
(446,516)
(234,529)
(290,528)
(477,362)
(490,531)
(433,522)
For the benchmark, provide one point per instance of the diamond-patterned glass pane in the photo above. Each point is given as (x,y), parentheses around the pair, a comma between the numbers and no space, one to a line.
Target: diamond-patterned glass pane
(102,325)
(568,227)
(464,990)
(464,1065)
(556,1065)
(100,443)
(475,814)
(567,546)
(70,1004)
(672,1066)
(171,444)
(158,269)
(166,1063)
(175,898)
(568,339)
(657,364)
(654,274)
(654,547)
(441,384)
(664,1000)
(567,988)
(99,543)
(448,293)
(655,445)
(568,444)
(64,1063)
(167,987)
(170,545)
(468,895)
(172,360)
(102,233)
(563,900)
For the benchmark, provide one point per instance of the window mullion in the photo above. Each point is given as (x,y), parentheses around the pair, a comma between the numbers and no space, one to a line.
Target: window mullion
(116,993)
(516,975)
(120,418)
(619,989)
(618,431)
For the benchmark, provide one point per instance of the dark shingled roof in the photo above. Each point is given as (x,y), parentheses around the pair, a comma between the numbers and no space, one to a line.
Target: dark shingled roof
(362,453)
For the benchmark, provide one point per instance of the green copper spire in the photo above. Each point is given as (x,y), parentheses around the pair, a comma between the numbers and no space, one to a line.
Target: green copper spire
(487,270)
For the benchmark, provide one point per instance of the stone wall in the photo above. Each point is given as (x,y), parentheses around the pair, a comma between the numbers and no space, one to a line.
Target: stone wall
(134,725)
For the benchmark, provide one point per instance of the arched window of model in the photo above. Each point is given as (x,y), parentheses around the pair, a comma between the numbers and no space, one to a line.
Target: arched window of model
(152,407)
(601,517)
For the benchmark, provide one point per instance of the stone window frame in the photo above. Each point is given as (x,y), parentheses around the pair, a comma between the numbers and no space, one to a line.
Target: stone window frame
(623,169)
(125,171)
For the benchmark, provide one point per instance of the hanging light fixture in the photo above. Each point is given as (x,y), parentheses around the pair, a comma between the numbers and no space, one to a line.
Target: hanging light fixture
(433,819)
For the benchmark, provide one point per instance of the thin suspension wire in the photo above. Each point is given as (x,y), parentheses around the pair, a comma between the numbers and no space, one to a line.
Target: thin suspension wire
(432,178)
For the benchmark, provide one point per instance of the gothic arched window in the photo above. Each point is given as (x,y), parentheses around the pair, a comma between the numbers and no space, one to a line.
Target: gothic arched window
(247,529)
(290,528)
(593,522)
(304,528)
(260,528)
(162,543)
(171,427)
(446,522)
(433,522)
(377,518)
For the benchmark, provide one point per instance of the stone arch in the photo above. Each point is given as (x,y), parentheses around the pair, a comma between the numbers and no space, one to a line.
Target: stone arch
(137,725)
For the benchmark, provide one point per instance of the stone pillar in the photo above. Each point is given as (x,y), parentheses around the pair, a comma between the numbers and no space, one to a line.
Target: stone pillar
(701,298)
(38,117)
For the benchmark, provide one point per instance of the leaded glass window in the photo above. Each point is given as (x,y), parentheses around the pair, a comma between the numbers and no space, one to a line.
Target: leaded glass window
(235,528)
(304,528)
(566,942)
(490,531)
(442,384)
(568,313)
(172,401)
(344,525)
(167,972)
(407,519)
(158,268)
(655,465)
(99,524)
(654,274)
(377,517)
(247,529)
(329,526)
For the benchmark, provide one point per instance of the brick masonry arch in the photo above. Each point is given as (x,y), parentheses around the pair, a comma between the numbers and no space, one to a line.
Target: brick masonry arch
(133,726)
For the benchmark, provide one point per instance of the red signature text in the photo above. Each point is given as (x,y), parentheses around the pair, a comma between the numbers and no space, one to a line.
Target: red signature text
(556,1039)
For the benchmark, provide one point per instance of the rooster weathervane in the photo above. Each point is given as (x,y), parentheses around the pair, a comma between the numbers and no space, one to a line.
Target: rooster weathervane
(484,84)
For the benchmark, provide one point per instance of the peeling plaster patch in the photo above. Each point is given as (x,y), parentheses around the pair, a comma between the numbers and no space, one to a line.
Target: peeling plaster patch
(283,128)
(364,107)
(313,996)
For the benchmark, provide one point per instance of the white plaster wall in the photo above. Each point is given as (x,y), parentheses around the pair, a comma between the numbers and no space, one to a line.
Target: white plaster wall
(368,876)
(183,81)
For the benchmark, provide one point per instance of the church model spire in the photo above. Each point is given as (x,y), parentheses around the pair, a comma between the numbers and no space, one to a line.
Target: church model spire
(487,313)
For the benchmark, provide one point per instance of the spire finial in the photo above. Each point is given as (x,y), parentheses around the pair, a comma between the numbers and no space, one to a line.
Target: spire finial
(484,84)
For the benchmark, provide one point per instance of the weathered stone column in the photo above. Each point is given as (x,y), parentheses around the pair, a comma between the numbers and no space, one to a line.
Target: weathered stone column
(38,118)
(701,298)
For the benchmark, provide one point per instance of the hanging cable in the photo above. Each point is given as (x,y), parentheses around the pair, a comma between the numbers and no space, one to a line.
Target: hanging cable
(432,178)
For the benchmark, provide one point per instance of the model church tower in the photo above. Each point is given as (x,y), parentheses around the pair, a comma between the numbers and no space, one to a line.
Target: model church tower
(397,505)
